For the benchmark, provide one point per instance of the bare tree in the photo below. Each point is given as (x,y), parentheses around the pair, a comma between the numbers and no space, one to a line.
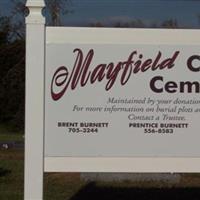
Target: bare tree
(171,23)
(56,8)
(96,24)
(5,28)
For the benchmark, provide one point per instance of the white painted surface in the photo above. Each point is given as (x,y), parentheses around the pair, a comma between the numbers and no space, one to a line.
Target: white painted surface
(143,165)
(119,139)
(34,129)
(74,35)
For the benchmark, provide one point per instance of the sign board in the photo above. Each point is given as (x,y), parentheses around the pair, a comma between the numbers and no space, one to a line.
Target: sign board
(109,100)
(115,99)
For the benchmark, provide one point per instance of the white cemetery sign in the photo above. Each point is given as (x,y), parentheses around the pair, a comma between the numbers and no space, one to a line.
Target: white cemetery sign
(109,100)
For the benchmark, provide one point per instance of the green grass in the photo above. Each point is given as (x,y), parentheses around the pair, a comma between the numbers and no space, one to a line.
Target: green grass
(8,134)
(62,186)
(10,137)
(11,175)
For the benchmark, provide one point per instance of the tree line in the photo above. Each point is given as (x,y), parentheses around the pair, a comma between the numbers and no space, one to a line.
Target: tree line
(12,58)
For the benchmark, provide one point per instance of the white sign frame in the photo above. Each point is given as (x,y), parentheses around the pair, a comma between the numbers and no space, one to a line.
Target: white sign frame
(38,35)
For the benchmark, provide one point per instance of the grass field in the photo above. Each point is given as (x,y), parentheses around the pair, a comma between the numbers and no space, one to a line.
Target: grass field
(11,175)
(9,137)
(69,186)
(8,134)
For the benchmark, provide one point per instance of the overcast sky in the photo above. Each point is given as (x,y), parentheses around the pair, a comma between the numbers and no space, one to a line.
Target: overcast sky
(110,11)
